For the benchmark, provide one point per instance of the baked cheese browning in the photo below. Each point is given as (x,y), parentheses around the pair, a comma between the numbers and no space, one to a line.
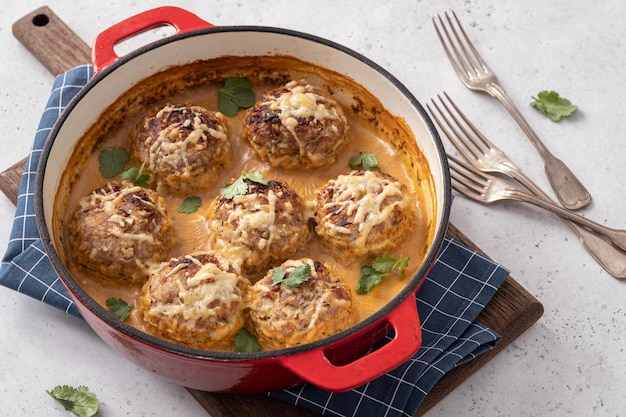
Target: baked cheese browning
(282,316)
(364,213)
(263,226)
(197,299)
(185,147)
(296,125)
(121,230)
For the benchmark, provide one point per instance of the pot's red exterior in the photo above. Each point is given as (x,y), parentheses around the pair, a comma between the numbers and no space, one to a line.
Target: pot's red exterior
(339,373)
(337,363)
(194,372)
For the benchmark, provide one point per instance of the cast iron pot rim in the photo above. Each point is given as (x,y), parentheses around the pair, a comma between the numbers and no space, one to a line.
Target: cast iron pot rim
(112,321)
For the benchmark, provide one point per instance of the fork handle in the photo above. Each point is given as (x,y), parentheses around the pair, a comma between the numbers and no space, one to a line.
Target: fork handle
(617,237)
(611,258)
(567,187)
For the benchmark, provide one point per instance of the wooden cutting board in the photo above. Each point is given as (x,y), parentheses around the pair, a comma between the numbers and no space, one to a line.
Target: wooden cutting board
(511,311)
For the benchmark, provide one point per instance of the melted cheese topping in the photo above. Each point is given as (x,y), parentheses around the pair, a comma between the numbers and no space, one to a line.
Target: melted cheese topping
(171,148)
(301,102)
(119,223)
(250,214)
(368,200)
(294,316)
(208,288)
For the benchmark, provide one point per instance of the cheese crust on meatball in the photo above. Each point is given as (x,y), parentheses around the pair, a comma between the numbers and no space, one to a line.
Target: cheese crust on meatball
(282,316)
(121,230)
(363,213)
(185,147)
(197,299)
(297,125)
(264,225)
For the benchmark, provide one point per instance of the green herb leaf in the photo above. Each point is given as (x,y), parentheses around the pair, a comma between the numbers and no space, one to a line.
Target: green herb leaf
(366,160)
(552,105)
(137,176)
(401,266)
(112,161)
(237,93)
(369,278)
(299,275)
(79,401)
(240,186)
(246,342)
(384,264)
(118,307)
(381,267)
(190,205)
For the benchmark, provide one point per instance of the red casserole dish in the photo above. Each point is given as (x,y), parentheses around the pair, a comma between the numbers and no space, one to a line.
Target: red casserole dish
(336,363)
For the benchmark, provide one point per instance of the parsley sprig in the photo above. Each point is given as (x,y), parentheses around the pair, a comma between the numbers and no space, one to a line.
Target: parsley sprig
(246,342)
(237,93)
(240,186)
(372,275)
(79,401)
(137,176)
(112,161)
(299,275)
(119,307)
(552,105)
(365,160)
(190,204)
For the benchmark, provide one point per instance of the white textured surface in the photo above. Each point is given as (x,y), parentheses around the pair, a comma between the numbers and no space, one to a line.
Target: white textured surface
(572,362)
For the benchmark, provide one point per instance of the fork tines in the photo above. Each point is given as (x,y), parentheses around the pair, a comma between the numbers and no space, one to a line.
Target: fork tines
(458,46)
(466,179)
(459,130)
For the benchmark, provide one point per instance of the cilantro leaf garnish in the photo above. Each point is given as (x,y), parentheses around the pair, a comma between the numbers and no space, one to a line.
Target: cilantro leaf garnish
(112,161)
(299,275)
(387,264)
(372,275)
(552,105)
(79,401)
(237,93)
(118,307)
(366,160)
(369,278)
(246,342)
(190,204)
(137,176)
(240,186)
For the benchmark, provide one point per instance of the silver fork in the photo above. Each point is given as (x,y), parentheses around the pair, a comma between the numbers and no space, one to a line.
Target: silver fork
(486,188)
(476,75)
(487,157)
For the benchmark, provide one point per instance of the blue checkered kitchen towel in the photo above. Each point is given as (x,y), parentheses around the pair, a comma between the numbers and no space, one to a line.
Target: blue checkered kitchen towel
(458,287)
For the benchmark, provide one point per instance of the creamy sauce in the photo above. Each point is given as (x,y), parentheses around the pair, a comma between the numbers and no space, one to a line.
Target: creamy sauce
(388,138)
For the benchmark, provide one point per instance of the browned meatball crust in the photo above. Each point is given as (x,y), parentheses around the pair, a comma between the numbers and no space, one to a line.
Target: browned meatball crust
(363,213)
(263,226)
(185,147)
(282,316)
(197,299)
(121,230)
(297,125)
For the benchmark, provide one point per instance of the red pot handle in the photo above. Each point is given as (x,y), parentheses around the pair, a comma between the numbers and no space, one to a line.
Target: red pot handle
(314,367)
(103,54)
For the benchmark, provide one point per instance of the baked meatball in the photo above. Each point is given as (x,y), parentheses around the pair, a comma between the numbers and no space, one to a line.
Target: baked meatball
(185,147)
(282,316)
(121,230)
(197,299)
(262,226)
(363,213)
(297,125)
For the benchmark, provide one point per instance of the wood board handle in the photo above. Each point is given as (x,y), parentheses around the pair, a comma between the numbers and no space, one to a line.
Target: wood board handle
(51,41)
(59,49)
